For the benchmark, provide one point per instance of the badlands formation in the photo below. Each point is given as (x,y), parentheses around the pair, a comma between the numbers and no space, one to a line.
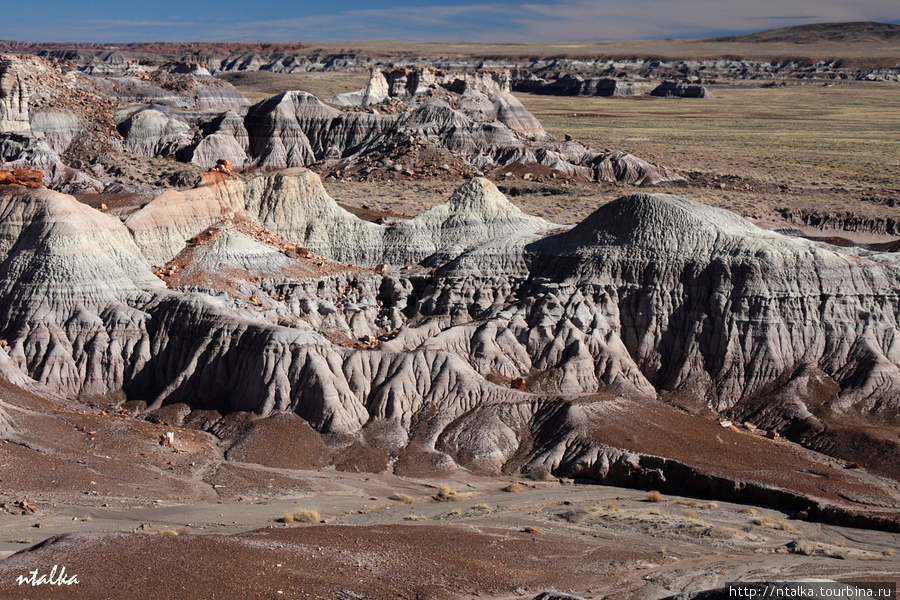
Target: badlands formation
(659,344)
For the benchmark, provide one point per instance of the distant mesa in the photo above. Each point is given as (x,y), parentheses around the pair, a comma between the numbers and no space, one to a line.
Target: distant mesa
(852,32)
(675,89)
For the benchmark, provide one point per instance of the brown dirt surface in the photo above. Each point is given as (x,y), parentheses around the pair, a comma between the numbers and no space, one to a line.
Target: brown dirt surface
(739,455)
(283,441)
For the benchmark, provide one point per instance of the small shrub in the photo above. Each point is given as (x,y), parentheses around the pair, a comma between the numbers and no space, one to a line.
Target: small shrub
(482,507)
(448,495)
(513,487)
(540,473)
(306,516)
(888,552)
(654,511)
(288,518)
(404,498)
(763,521)
(748,511)
(415,518)
(168,532)
(690,513)
(711,506)
(784,526)
(613,505)
(654,496)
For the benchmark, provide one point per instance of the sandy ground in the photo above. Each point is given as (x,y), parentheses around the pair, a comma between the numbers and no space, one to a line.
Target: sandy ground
(594,541)
(142,520)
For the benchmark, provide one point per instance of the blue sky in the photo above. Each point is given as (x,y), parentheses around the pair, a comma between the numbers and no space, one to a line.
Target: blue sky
(418,20)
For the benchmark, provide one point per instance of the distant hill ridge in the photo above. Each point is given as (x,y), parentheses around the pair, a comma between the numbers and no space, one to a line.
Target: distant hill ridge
(851,33)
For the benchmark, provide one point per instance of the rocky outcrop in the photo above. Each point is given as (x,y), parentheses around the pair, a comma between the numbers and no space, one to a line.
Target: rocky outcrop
(226,138)
(70,277)
(675,89)
(522,341)
(293,205)
(296,129)
(13,99)
(467,119)
(24,177)
(161,229)
(151,132)
(217,59)
(575,85)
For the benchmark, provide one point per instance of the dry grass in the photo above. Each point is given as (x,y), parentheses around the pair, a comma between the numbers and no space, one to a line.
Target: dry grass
(613,506)
(828,142)
(448,495)
(808,133)
(415,518)
(773,523)
(690,513)
(300,516)
(404,498)
(514,487)
(748,511)
(654,496)
(888,552)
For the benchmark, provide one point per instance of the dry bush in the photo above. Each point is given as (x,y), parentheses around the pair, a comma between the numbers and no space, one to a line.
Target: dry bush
(514,487)
(748,511)
(888,552)
(613,506)
(784,525)
(168,532)
(711,505)
(404,498)
(690,513)
(654,511)
(540,473)
(448,495)
(302,515)
(415,518)
(654,496)
(306,516)
(772,522)
(482,506)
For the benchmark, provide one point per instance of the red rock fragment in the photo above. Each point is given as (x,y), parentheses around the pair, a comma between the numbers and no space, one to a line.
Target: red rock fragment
(518,383)
(24,177)
(223,165)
